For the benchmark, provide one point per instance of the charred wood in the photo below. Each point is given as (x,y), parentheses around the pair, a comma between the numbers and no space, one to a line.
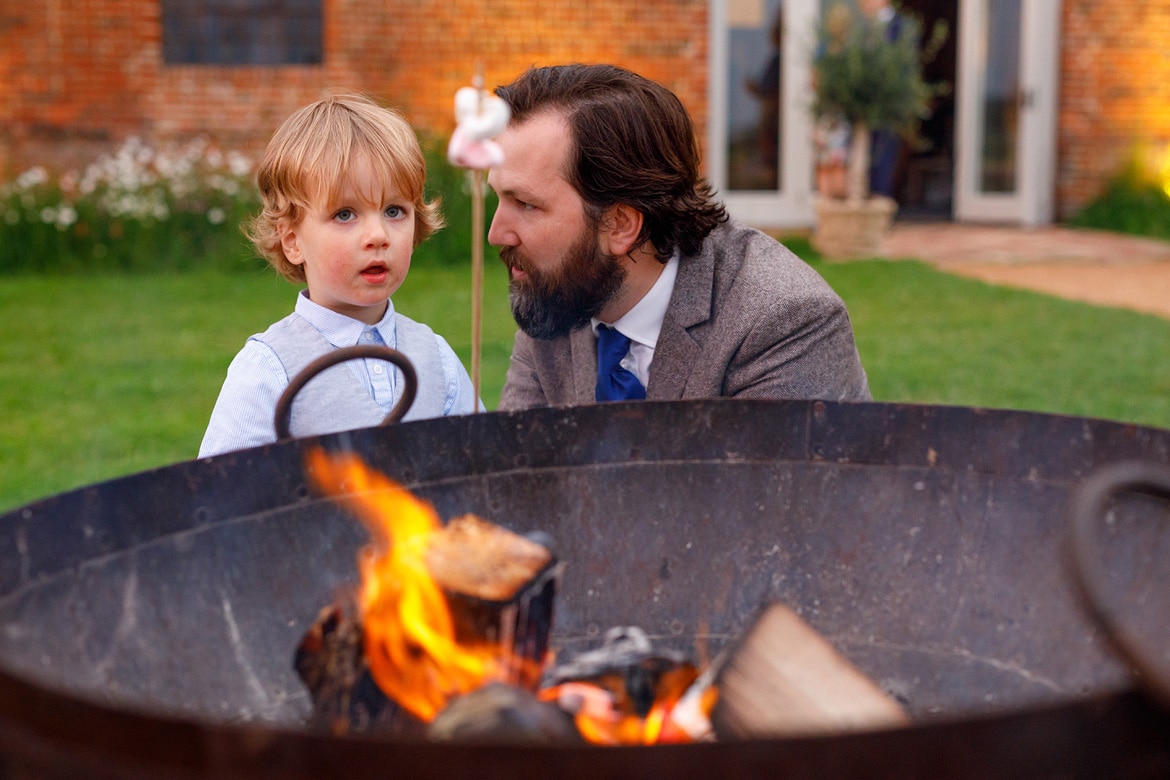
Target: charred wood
(330,660)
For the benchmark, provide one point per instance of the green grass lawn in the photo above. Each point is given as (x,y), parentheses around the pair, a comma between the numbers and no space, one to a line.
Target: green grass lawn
(109,375)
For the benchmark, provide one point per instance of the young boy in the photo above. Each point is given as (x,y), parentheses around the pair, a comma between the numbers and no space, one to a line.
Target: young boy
(342,189)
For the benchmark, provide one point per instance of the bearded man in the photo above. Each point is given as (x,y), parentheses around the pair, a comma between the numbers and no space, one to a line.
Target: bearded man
(617,248)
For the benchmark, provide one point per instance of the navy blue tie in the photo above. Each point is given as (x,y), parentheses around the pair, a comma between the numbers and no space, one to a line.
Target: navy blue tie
(615,383)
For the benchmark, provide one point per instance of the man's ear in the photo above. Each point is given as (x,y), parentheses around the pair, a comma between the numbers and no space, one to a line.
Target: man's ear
(290,243)
(620,228)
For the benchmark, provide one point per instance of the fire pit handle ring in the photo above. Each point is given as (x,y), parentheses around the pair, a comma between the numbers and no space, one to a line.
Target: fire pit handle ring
(1087,505)
(409,390)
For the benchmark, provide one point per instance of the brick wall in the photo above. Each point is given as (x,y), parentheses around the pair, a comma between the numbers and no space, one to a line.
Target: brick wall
(1115,91)
(78,76)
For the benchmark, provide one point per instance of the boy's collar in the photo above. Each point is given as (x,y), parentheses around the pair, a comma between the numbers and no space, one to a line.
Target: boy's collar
(340,330)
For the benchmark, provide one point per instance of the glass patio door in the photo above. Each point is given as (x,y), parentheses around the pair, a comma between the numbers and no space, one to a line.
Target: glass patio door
(1006,104)
(759,149)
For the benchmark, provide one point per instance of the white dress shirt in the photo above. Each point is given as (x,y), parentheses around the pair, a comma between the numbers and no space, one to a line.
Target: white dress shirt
(643,323)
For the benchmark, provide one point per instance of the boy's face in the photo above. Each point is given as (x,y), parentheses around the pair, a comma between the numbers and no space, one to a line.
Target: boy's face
(355,251)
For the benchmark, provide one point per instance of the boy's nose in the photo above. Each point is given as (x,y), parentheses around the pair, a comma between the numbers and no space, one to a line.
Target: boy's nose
(377,233)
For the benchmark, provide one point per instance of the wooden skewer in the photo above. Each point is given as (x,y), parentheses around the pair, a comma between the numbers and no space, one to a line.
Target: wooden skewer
(476,256)
(476,277)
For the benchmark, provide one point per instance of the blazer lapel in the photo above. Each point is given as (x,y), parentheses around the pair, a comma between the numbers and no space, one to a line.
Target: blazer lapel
(677,348)
(583,355)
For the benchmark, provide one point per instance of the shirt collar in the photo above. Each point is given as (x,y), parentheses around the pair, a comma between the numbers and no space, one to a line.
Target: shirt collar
(643,323)
(340,330)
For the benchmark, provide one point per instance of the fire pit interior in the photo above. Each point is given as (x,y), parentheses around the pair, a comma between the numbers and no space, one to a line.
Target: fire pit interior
(927,544)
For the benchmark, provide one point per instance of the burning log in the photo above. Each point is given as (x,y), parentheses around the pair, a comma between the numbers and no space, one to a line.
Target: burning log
(785,679)
(500,587)
(443,610)
(330,660)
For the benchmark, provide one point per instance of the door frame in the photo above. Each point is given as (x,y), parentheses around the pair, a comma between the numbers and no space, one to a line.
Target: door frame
(1033,202)
(791,206)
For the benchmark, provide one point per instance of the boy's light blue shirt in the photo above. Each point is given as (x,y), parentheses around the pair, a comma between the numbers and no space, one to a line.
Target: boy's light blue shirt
(243,413)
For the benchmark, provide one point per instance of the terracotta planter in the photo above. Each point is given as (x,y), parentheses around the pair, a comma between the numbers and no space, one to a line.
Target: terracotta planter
(852,230)
(832,181)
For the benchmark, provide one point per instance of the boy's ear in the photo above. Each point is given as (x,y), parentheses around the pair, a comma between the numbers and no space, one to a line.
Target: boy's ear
(620,228)
(290,243)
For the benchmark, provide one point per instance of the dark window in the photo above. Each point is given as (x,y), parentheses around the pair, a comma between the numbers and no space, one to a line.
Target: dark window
(241,32)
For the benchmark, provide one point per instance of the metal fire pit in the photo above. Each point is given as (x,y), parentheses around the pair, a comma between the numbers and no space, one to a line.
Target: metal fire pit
(149,622)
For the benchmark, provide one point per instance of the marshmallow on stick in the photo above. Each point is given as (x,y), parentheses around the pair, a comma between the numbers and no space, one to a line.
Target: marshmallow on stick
(480,117)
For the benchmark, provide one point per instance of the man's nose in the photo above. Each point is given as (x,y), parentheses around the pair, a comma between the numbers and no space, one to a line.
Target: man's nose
(499,234)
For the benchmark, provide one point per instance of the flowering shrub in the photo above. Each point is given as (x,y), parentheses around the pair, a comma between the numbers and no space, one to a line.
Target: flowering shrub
(135,210)
(141,209)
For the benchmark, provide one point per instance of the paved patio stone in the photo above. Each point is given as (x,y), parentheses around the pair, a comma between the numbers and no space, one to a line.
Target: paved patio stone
(1106,269)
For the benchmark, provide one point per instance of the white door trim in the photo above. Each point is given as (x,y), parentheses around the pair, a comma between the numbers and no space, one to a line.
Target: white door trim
(791,205)
(1033,201)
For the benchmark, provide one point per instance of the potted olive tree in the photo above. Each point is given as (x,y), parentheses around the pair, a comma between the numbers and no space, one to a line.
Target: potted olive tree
(867,76)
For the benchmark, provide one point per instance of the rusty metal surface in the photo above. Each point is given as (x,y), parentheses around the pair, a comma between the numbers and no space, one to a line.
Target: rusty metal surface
(924,542)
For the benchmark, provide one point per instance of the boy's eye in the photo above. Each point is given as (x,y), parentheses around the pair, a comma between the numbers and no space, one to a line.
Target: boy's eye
(394,212)
(344,215)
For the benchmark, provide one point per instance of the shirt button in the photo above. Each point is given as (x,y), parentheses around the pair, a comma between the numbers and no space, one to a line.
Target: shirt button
(377,369)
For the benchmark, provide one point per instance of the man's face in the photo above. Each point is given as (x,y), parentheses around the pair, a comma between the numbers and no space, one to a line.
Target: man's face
(549,304)
(559,275)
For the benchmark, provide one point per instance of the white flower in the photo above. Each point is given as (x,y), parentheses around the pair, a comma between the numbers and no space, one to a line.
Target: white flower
(32,177)
(48,215)
(239,164)
(216,215)
(66,216)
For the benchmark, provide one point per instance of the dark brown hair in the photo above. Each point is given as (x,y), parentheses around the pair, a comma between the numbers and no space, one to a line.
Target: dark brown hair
(634,144)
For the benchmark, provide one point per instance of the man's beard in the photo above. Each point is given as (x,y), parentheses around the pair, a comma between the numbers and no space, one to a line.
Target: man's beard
(550,304)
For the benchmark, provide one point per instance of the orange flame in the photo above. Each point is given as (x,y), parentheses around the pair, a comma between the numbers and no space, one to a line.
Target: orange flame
(410,642)
(410,639)
(600,718)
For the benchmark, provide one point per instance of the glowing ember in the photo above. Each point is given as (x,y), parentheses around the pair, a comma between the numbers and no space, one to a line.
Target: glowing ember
(603,716)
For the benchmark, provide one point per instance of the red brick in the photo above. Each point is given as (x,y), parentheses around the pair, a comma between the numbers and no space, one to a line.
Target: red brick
(76,78)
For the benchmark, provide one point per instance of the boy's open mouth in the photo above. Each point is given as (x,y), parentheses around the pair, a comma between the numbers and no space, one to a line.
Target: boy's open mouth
(375,273)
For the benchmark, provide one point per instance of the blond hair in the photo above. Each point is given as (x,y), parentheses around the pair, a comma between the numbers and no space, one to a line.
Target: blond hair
(309,157)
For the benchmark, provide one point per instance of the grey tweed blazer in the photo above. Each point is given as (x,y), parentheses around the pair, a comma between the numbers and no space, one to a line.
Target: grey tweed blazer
(747,318)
